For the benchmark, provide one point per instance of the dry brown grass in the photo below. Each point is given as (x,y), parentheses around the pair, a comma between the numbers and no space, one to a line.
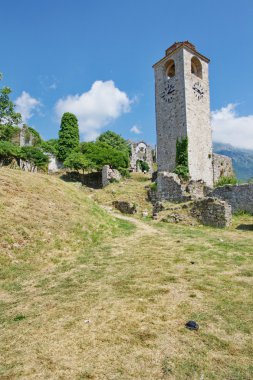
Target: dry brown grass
(115,307)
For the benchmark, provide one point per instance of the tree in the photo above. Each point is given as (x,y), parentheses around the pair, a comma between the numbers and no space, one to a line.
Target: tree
(78,161)
(8,116)
(51,146)
(8,152)
(9,133)
(35,156)
(100,154)
(68,135)
(114,140)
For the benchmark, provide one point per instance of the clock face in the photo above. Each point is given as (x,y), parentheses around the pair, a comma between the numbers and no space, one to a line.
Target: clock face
(198,90)
(168,93)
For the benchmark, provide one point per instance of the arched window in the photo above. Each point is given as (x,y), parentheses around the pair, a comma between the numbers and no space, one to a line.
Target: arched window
(196,67)
(170,69)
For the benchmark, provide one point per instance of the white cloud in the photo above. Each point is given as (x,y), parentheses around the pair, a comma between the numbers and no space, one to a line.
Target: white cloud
(135,130)
(26,105)
(228,127)
(96,108)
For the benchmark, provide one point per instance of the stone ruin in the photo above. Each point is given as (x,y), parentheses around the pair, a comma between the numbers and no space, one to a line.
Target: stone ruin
(183,112)
(140,151)
(222,167)
(109,175)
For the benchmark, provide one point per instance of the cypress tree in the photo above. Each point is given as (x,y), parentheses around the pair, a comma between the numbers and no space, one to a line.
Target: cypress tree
(68,135)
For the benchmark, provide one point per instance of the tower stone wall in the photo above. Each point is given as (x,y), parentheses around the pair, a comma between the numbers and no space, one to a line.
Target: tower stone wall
(183,110)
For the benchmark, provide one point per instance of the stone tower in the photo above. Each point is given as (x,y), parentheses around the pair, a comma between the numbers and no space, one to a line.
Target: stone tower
(183,110)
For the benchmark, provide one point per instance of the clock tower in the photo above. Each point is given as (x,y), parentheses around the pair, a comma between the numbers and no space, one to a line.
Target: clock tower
(183,110)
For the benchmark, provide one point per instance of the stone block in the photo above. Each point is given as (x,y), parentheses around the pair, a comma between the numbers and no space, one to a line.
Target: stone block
(109,174)
(212,212)
(240,197)
(125,207)
(170,188)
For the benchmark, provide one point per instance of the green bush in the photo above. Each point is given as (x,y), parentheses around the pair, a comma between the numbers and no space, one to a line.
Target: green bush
(50,146)
(143,165)
(100,154)
(8,132)
(226,181)
(32,133)
(124,172)
(35,156)
(153,186)
(8,152)
(182,169)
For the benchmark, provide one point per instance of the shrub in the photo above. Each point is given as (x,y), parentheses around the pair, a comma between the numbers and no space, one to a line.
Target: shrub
(124,172)
(8,152)
(100,154)
(50,146)
(153,186)
(35,156)
(182,169)
(31,133)
(226,181)
(9,132)
(143,165)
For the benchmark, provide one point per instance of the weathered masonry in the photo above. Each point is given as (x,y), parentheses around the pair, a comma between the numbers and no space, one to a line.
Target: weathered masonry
(183,110)
(140,151)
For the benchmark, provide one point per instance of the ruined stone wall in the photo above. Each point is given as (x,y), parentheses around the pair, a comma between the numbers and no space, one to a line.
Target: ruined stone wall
(141,151)
(54,164)
(170,188)
(25,138)
(212,212)
(240,197)
(109,174)
(222,167)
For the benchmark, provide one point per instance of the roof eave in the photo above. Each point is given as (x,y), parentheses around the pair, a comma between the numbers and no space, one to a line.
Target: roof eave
(181,47)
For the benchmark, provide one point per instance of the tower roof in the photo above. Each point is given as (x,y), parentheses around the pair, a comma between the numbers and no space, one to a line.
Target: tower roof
(178,45)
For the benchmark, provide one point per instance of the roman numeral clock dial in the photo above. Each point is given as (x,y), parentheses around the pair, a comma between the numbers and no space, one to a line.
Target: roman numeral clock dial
(168,94)
(198,90)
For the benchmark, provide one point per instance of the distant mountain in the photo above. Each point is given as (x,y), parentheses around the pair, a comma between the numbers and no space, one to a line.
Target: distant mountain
(242,159)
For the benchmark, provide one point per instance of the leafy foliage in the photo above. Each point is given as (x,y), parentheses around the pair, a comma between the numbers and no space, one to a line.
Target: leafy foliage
(51,146)
(115,141)
(78,161)
(8,132)
(153,186)
(100,154)
(8,152)
(8,116)
(143,165)
(182,168)
(32,133)
(226,181)
(68,135)
(35,156)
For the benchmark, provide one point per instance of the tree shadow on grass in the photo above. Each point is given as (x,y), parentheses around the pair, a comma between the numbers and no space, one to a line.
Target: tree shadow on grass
(245,227)
(93,180)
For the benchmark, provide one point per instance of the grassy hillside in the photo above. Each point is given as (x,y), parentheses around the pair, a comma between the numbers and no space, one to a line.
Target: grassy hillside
(85,295)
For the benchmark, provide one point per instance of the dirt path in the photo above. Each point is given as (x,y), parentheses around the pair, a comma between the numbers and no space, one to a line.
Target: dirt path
(142,227)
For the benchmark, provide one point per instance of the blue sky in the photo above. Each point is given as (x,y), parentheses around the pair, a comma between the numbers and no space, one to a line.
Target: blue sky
(95,58)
